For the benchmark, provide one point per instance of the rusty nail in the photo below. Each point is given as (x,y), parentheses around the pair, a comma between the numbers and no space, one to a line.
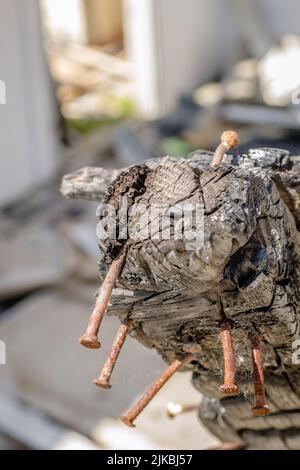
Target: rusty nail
(229,446)
(154,389)
(104,377)
(261,407)
(90,337)
(229,387)
(175,409)
(229,140)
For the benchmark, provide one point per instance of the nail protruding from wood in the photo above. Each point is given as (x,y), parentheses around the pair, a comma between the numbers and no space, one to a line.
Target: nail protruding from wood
(229,140)
(90,337)
(104,378)
(229,387)
(154,389)
(175,409)
(229,446)
(261,408)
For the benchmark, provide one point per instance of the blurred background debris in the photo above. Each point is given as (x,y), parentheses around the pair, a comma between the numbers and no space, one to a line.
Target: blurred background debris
(110,83)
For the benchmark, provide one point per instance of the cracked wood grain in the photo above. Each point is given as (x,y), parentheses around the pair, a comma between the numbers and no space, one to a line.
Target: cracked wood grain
(247,261)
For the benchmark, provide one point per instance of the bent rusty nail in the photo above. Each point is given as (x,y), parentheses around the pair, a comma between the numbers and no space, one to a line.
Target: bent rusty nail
(106,373)
(154,389)
(175,409)
(90,337)
(229,387)
(261,408)
(229,140)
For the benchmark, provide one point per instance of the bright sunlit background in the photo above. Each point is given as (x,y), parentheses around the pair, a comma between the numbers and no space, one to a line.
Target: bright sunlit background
(110,83)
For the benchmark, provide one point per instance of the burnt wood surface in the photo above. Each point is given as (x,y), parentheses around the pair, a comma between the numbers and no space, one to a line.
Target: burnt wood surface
(246,268)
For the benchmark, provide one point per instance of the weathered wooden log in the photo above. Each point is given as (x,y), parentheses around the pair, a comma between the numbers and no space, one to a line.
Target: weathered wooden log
(242,265)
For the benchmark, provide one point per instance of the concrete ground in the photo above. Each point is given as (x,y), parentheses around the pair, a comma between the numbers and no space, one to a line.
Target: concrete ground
(48,369)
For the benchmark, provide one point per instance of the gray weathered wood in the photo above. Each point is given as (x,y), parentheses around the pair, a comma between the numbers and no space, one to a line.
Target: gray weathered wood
(246,267)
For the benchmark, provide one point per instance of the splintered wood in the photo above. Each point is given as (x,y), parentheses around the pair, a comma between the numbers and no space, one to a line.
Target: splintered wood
(228,306)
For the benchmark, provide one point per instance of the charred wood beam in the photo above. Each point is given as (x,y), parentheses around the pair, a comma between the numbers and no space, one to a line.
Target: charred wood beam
(244,268)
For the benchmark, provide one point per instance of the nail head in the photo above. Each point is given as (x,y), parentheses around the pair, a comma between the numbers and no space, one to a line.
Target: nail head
(127,422)
(229,389)
(102,384)
(261,410)
(90,342)
(230,138)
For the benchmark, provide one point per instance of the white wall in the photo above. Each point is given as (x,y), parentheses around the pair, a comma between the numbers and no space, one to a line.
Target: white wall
(65,19)
(174,45)
(280,16)
(28,145)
